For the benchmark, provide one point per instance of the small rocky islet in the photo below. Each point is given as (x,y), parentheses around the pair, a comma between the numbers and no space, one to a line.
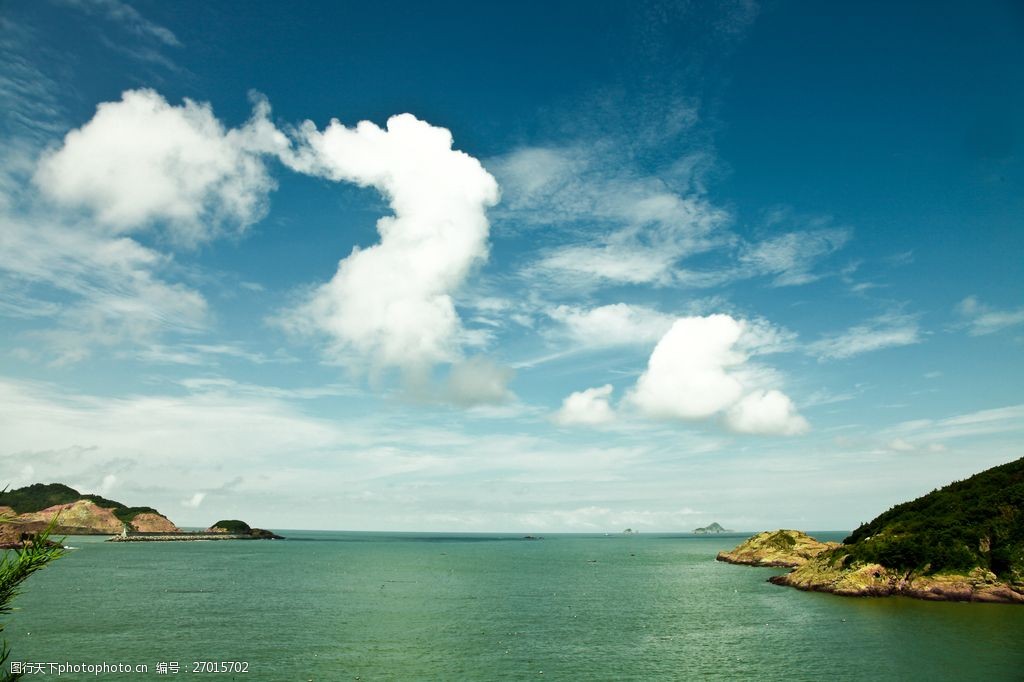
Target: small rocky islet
(962,542)
(776,548)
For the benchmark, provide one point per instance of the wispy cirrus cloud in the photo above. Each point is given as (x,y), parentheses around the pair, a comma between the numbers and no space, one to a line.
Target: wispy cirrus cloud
(100,291)
(617,226)
(885,331)
(636,227)
(910,435)
(789,258)
(981,319)
(129,18)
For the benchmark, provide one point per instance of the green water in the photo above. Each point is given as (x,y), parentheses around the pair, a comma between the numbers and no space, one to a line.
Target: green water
(341,606)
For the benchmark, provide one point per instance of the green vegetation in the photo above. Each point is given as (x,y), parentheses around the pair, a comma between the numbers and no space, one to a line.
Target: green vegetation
(233,526)
(978,522)
(39,496)
(126,514)
(780,539)
(15,567)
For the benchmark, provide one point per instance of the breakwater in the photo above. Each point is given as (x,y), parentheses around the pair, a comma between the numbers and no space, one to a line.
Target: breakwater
(189,537)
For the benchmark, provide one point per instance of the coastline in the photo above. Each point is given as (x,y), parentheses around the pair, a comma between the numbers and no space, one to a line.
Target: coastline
(875,580)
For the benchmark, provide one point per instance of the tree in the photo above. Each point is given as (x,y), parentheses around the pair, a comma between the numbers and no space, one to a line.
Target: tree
(15,567)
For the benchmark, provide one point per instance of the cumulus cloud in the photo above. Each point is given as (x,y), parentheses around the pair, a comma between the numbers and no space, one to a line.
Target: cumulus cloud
(981,319)
(885,331)
(141,160)
(766,412)
(392,302)
(699,369)
(617,324)
(587,407)
(687,375)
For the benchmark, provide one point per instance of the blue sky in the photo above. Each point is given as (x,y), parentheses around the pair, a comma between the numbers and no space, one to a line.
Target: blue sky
(581,268)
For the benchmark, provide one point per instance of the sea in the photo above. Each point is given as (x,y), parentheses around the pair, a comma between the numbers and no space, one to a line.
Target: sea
(337,606)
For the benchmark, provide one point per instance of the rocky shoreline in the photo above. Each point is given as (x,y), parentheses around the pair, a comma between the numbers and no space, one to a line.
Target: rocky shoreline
(818,568)
(875,580)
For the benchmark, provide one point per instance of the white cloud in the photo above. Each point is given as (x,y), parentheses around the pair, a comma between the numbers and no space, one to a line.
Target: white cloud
(900,445)
(140,161)
(588,407)
(698,369)
(617,324)
(130,18)
(623,227)
(116,292)
(108,483)
(789,257)
(194,501)
(392,302)
(636,227)
(766,412)
(999,420)
(886,331)
(479,381)
(687,375)
(982,319)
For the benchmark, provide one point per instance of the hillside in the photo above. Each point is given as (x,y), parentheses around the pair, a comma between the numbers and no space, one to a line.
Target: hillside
(33,506)
(781,547)
(963,542)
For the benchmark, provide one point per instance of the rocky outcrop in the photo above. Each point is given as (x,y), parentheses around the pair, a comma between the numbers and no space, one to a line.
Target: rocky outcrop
(82,517)
(786,548)
(16,536)
(34,507)
(715,527)
(85,517)
(241,529)
(148,522)
(828,574)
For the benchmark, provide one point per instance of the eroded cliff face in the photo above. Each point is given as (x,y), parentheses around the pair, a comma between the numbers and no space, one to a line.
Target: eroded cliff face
(828,574)
(81,516)
(786,548)
(148,522)
(85,517)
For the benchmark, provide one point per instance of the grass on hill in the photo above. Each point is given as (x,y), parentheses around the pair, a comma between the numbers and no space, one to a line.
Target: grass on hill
(233,526)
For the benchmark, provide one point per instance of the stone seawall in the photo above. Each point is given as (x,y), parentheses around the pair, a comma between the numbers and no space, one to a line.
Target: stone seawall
(182,537)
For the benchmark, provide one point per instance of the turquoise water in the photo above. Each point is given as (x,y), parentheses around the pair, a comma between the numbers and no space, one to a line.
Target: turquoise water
(342,606)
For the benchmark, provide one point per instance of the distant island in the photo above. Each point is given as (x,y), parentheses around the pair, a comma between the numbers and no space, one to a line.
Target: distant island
(963,542)
(713,528)
(30,510)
